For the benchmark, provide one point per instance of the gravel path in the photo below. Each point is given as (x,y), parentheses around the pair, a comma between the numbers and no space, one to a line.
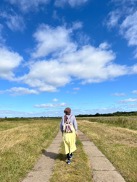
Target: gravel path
(101,168)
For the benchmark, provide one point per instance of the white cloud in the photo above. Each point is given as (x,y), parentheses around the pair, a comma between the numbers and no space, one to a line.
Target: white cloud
(104,45)
(19,91)
(134,69)
(65,61)
(135,53)
(13,113)
(129,100)
(26,5)
(134,91)
(119,94)
(77,25)
(1,37)
(43,105)
(62,104)
(89,64)
(9,60)
(50,105)
(14,22)
(72,3)
(47,76)
(129,29)
(120,2)
(114,17)
(124,18)
(55,100)
(76,88)
(51,40)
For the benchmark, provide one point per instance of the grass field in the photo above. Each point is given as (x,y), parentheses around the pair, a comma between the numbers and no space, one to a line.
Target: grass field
(21,143)
(120,121)
(118,143)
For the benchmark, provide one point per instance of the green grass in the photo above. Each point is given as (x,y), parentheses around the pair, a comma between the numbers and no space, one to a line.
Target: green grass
(120,121)
(79,170)
(21,144)
(118,144)
(9,125)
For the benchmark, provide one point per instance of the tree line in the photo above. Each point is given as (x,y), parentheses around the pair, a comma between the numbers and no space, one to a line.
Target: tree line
(118,113)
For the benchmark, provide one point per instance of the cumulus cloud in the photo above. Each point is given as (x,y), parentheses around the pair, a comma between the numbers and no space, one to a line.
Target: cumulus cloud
(52,40)
(9,60)
(47,75)
(19,91)
(89,64)
(26,5)
(72,3)
(58,60)
(14,21)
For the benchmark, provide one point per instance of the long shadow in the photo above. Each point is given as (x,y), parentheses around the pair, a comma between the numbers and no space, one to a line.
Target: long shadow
(53,155)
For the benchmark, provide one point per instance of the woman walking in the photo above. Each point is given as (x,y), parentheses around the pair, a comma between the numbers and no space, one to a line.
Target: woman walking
(68,127)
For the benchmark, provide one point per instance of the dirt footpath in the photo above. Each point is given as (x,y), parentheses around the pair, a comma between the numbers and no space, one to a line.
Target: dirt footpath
(101,168)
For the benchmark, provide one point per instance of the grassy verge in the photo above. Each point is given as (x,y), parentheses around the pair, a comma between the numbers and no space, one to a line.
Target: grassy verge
(20,145)
(79,169)
(122,121)
(118,144)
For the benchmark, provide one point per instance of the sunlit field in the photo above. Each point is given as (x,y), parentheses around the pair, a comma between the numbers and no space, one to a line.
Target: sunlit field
(121,121)
(21,144)
(116,137)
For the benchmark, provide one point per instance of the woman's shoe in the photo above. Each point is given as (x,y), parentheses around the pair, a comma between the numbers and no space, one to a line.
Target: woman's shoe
(68,162)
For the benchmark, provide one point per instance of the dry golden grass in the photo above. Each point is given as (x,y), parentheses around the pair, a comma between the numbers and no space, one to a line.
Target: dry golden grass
(21,144)
(120,121)
(19,135)
(118,144)
(5,125)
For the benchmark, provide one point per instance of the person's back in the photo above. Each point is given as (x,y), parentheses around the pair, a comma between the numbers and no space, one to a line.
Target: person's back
(68,127)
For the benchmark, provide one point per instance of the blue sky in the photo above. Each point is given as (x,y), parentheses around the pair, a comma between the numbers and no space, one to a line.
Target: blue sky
(67,53)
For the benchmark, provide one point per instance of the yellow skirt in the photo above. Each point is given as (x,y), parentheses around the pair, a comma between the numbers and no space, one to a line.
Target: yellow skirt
(69,140)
